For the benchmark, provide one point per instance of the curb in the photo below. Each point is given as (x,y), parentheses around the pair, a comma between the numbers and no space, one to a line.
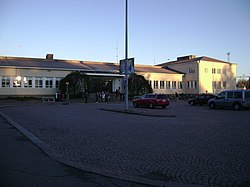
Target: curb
(137,113)
(57,156)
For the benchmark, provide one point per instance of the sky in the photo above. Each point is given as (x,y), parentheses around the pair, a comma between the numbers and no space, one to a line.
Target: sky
(158,30)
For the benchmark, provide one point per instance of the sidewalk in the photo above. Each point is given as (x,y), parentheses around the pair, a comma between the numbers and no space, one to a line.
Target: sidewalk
(23,164)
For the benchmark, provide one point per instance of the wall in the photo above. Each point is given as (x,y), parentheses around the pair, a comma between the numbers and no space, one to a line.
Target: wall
(212,81)
(164,77)
(190,80)
(12,73)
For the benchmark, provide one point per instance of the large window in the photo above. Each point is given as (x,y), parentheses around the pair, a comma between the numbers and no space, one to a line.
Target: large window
(156,85)
(218,71)
(39,82)
(180,85)
(162,85)
(219,85)
(167,84)
(192,84)
(27,82)
(5,82)
(173,84)
(213,70)
(191,70)
(49,83)
(214,84)
(17,81)
(57,82)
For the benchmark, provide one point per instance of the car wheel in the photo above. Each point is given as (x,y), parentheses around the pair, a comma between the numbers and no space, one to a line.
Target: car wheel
(212,105)
(151,105)
(236,106)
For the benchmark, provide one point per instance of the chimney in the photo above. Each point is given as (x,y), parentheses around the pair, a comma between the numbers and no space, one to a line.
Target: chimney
(49,56)
(189,57)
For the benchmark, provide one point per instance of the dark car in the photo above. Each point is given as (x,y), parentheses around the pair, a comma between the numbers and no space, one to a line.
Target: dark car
(201,99)
(152,100)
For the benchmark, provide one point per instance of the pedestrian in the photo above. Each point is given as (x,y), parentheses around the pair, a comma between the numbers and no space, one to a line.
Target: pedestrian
(56,96)
(97,97)
(177,96)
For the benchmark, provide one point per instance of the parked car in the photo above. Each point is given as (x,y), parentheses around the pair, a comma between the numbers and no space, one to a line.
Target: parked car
(201,99)
(152,100)
(236,99)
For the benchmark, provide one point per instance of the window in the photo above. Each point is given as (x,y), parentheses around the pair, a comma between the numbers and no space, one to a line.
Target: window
(238,95)
(191,84)
(27,82)
(214,84)
(213,70)
(39,83)
(195,84)
(223,94)
(247,94)
(173,84)
(224,84)
(230,95)
(49,83)
(191,70)
(150,83)
(167,84)
(218,71)
(5,82)
(155,84)
(58,83)
(219,85)
(17,81)
(161,84)
(180,85)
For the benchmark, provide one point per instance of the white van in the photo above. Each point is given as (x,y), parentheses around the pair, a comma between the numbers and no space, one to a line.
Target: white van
(236,99)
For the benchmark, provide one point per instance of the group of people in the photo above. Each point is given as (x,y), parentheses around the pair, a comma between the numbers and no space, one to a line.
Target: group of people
(103,96)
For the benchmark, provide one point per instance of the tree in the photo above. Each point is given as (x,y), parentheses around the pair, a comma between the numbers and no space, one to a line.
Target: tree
(78,86)
(242,83)
(138,85)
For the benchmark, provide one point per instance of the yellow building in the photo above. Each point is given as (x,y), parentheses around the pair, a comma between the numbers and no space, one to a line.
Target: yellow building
(41,77)
(204,74)
(162,80)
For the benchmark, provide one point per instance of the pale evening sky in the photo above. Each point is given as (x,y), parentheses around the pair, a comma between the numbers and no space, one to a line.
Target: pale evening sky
(159,30)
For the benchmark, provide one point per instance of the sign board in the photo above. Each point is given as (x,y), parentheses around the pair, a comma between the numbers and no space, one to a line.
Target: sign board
(130,66)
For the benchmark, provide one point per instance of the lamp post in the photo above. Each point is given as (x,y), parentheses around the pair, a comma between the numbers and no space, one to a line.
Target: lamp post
(126,55)
(67,91)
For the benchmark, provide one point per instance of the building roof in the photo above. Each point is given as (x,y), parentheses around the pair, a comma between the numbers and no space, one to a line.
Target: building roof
(76,65)
(38,63)
(155,69)
(192,58)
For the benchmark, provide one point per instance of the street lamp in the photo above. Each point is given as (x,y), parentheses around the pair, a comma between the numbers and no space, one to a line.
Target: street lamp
(126,55)
(67,91)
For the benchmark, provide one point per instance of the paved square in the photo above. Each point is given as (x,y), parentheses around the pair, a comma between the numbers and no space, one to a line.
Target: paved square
(199,146)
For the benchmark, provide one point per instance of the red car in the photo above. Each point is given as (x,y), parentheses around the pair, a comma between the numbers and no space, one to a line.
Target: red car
(152,100)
